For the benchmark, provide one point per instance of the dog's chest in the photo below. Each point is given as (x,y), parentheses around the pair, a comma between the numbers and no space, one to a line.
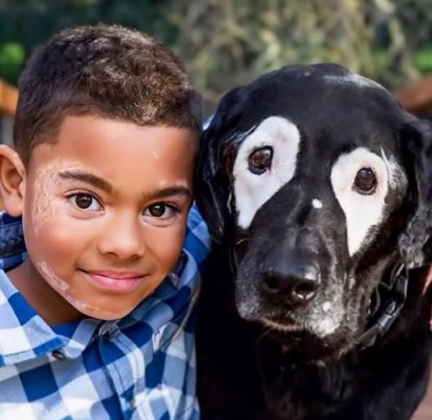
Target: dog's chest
(377,387)
(305,393)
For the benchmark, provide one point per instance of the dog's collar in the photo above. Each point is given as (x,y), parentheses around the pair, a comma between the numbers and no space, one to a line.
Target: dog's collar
(390,298)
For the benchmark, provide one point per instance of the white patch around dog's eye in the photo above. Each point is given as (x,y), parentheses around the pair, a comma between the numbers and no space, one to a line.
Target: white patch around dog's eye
(266,160)
(360,183)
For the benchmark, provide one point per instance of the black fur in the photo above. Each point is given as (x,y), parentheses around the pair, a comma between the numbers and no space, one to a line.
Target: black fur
(248,371)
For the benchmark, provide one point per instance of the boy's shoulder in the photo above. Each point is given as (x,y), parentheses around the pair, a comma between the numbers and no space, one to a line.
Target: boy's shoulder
(197,241)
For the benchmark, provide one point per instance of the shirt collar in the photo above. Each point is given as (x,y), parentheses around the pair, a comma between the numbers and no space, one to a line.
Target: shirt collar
(25,335)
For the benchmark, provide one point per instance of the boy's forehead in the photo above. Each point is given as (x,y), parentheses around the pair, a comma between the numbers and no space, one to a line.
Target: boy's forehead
(118,149)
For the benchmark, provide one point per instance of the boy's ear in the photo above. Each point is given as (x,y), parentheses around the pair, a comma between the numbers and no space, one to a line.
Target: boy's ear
(12,181)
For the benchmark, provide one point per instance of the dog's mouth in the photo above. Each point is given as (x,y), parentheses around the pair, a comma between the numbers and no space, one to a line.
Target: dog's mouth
(318,331)
(279,324)
(303,344)
(323,318)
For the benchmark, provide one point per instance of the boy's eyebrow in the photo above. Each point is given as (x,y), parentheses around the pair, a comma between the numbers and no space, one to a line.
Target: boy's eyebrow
(97,182)
(87,178)
(169,191)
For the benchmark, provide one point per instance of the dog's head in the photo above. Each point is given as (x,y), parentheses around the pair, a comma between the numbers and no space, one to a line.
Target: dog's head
(318,181)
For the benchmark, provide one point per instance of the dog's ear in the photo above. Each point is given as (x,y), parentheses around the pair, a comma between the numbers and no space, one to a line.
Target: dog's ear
(416,242)
(211,183)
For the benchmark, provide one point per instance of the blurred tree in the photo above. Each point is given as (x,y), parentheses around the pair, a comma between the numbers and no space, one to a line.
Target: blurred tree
(230,42)
(11,58)
(30,22)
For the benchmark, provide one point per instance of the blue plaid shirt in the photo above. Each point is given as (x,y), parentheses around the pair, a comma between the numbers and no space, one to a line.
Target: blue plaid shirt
(139,367)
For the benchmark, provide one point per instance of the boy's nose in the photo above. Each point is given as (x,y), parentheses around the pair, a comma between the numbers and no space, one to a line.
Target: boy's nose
(123,238)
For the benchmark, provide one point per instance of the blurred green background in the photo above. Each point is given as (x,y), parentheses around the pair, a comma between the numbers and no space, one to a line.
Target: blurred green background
(229,42)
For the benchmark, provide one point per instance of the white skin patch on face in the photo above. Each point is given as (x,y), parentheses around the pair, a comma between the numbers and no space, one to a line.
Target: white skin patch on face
(46,181)
(252,190)
(317,204)
(361,211)
(61,287)
(55,282)
(43,209)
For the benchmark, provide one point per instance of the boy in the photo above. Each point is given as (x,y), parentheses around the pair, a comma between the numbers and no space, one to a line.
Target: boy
(95,320)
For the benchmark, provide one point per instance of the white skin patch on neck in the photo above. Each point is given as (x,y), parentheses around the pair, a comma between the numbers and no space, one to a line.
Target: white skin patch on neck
(251,190)
(362,212)
(317,204)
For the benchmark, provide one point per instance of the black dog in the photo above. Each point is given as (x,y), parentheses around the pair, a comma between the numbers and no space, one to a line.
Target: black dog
(317,189)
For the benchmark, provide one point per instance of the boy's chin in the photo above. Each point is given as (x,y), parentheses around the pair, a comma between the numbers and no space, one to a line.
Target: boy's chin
(100,313)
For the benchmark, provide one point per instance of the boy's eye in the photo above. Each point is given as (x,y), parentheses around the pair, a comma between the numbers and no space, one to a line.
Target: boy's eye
(161,211)
(85,202)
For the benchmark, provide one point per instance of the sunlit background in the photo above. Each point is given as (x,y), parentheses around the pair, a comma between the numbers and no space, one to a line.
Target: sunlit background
(230,42)
(225,43)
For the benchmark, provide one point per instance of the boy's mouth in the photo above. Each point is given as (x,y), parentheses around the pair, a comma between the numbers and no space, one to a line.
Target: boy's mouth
(114,281)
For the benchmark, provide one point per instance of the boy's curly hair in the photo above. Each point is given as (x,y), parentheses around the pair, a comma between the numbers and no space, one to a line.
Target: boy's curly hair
(109,71)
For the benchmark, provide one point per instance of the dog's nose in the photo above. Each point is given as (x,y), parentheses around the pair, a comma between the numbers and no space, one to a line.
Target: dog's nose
(296,281)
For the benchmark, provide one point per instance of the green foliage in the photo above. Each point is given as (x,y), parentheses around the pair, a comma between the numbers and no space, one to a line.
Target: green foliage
(423,60)
(11,60)
(31,22)
(230,42)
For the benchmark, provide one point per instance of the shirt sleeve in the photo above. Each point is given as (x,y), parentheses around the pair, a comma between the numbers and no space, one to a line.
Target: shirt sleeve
(180,362)
(12,246)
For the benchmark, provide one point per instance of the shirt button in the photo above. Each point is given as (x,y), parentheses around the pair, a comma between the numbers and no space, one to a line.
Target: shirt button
(59,355)
(107,330)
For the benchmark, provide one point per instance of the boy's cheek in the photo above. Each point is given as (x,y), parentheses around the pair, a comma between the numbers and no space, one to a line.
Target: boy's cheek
(54,242)
(166,245)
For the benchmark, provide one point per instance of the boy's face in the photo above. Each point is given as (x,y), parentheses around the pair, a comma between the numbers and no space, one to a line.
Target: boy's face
(105,211)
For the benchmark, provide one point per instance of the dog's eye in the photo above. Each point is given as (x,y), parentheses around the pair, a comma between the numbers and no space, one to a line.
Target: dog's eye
(260,160)
(365,181)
